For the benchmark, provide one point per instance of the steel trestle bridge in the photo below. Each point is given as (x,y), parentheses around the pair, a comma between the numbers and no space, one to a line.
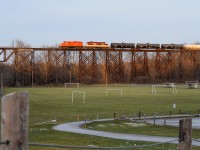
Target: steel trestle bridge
(165,64)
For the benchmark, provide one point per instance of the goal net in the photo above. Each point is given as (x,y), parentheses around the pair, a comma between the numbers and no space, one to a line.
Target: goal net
(71,85)
(192,84)
(167,85)
(119,90)
(78,92)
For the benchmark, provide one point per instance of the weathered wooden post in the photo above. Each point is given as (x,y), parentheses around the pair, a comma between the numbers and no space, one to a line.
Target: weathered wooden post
(139,114)
(97,117)
(164,121)
(154,119)
(185,134)
(14,121)
(144,118)
(1,91)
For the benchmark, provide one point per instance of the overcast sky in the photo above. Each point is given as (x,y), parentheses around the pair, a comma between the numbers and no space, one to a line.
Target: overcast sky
(49,22)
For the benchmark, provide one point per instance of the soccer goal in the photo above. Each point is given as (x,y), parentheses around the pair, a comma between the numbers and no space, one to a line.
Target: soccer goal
(83,93)
(71,85)
(113,90)
(192,84)
(169,85)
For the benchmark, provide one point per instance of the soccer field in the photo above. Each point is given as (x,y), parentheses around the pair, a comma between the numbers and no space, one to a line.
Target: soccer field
(48,103)
(51,103)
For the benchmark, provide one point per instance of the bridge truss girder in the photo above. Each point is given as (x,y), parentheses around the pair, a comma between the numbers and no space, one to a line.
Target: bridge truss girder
(114,70)
(189,65)
(53,69)
(23,67)
(164,65)
(167,64)
(139,65)
(88,68)
(6,54)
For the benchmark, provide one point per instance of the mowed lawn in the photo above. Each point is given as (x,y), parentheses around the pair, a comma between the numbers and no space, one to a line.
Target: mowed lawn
(49,103)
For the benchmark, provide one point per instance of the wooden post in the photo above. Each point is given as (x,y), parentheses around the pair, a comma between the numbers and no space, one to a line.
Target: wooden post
(139,115)
(164,121)
(144,118)
(134,117)
(1,91)
(185,134)
(97,118)
(154,119)
(14,121)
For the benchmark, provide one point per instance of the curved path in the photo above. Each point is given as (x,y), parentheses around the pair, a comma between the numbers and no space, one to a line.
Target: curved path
(75,127)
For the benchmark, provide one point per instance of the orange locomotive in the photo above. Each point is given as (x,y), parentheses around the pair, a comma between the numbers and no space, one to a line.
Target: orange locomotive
(97,45)
(71,44)
(79,44)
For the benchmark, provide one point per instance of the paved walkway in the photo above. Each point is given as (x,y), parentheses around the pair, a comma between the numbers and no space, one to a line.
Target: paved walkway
(75,128)
(175,122)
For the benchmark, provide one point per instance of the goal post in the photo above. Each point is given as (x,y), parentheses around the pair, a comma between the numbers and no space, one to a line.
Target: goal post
(171,85)
(113,90)
(188,82)
(71,84)
(192,84)
(83,93)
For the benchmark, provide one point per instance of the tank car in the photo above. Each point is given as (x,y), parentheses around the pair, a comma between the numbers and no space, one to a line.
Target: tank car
(147,46)
(172,46)
(122,45)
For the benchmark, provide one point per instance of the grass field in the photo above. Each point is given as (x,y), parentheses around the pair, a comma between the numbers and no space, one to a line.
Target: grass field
(56,103)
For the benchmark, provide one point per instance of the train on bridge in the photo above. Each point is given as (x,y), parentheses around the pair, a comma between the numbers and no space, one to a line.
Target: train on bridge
(103,45)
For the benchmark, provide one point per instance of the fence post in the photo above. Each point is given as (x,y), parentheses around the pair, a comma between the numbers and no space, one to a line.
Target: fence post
(1,91)
(144,118)
(185,134)
(134,117)
(154,119)
(164,121)
(14,121)
(139,115)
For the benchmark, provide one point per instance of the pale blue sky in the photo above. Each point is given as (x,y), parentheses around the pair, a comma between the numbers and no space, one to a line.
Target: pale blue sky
(49,22)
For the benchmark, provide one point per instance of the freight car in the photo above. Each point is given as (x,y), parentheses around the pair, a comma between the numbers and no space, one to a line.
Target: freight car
(192,47)
(147,46)
(172,46)
(122,45)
